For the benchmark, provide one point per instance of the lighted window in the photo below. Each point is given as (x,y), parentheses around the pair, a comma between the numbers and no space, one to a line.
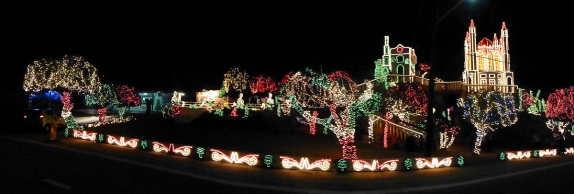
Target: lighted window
(490,62)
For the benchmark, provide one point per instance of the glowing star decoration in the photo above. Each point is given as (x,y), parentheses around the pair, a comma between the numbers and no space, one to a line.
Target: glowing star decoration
(337,93)
(200,151)
(268,160)
(304,164)
(434,163)
(85,135)
(488,111)
(518,155)
(236,79)
(250,159)
(342,164)
(122,142)
(391,165)
(73,73)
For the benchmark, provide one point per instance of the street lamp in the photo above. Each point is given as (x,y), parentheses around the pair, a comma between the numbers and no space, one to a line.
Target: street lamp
(431,73)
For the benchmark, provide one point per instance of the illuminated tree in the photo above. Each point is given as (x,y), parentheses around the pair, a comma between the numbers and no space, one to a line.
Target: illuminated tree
(406,100)
(126,98)
(71,73)
(560,109)
(488,111)
(236,79)
(67,113)
(105,96)
(339,95)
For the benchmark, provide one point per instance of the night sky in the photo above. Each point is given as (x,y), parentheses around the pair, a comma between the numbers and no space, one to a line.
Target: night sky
(189,46)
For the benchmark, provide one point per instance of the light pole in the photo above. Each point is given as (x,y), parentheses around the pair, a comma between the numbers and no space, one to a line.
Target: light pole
(430,113)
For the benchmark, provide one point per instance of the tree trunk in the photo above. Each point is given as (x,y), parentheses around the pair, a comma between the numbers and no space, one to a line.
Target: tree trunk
(477,144)
(349,149)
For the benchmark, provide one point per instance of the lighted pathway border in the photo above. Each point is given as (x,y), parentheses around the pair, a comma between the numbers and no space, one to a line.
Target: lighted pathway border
(297,162)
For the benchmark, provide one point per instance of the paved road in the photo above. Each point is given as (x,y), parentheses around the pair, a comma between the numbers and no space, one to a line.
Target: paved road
(75,165)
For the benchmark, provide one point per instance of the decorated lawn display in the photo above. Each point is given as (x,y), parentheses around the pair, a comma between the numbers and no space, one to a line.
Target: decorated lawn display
(338,94)
(560,109)
(448,130)
(126,98)
(71,73)
(104,97)
(530,103)
(67,113)
(488,111)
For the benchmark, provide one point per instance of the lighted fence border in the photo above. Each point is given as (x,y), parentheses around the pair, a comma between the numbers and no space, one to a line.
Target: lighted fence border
(272,161)
(526,154)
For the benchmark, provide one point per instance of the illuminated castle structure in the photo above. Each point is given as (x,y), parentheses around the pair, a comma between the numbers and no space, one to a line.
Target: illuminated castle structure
(487,63)
(399,60)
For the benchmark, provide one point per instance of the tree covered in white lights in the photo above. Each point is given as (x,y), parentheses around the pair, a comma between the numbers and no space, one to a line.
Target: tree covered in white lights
(488,111)
(70,73)
(338,94)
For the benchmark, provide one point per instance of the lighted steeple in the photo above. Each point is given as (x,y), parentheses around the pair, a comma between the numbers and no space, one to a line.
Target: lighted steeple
(503,25)
(472,23)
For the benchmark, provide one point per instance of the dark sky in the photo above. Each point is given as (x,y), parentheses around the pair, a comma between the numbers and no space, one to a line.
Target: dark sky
(189,45)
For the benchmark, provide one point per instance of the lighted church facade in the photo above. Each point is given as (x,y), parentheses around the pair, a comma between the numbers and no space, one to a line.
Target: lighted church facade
(400,60)
(487,63)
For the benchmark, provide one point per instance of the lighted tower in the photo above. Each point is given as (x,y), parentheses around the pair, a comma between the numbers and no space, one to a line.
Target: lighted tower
(487,62)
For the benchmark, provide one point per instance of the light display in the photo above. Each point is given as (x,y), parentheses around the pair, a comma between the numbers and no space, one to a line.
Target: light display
(447,132)
(288,163)
(337,92)
(434,163)
(261,84)
(390,165)
(531,103)
(488,111)
(546,152)
(67,114)
(181,150)
(268,160)
(249,159)
(127,97)
(71,72)
(407,98)
(560,109)
(122,142)
(236,79)
(518,155)
(103,97)
(342,164)
(81,134)
(460,161)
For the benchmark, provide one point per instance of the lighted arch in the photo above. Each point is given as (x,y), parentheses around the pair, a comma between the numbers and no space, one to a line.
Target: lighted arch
(400,71)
